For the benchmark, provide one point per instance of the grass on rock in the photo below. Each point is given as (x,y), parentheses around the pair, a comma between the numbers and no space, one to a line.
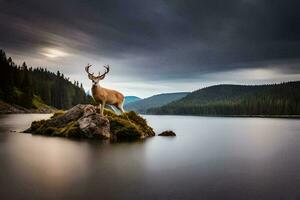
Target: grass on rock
(120,126)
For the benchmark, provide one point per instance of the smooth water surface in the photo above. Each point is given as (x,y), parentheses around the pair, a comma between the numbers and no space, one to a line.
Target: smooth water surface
(210,158)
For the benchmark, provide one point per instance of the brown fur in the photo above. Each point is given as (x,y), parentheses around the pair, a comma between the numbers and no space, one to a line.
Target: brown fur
(107,96)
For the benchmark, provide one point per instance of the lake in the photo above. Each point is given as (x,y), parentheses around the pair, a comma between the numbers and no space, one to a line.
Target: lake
(210,158)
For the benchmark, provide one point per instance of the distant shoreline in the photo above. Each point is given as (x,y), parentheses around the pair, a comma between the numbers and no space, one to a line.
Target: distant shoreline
(225,116)
(14,109)
(30,112)
(6,108)
(241,116)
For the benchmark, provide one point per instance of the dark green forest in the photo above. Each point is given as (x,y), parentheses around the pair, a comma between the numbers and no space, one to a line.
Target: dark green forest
(25,86)
(273,99)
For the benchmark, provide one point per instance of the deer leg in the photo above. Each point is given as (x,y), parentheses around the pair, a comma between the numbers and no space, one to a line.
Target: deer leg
(99,107)
(120,107)
(102,108)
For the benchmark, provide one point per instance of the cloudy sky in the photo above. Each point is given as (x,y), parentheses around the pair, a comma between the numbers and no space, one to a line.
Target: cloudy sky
(156,46)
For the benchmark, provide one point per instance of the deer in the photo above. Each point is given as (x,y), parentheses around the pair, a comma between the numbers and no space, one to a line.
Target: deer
(103,95)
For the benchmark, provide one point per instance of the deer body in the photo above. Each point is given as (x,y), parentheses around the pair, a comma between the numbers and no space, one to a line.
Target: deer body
(108,96)
(103,95)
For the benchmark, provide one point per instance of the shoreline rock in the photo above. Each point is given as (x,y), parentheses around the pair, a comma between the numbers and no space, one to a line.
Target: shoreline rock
(6,108)
(83,121)
(167,133)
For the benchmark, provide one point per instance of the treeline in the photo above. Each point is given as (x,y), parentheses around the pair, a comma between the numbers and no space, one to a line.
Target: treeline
(274,99)
(21,85)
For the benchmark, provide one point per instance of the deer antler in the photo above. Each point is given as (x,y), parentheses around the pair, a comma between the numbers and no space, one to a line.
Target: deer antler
(106,71)
(90,75)
(100,76)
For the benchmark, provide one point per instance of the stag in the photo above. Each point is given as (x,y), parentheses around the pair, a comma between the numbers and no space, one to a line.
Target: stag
(103,95)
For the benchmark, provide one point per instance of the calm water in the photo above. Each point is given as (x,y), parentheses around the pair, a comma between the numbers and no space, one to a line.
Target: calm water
(211,158)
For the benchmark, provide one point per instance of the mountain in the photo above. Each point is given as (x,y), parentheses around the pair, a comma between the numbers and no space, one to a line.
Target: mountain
(130,99)
(35,88)
(143,105)
(274,99)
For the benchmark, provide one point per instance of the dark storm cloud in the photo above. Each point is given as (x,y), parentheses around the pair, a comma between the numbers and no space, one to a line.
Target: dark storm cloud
(173,39)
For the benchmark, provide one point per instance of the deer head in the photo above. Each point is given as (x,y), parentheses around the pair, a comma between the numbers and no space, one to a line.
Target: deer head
(100,76)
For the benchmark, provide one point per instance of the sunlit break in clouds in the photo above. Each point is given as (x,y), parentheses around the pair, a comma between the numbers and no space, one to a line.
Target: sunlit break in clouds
(53,53)
(164,46)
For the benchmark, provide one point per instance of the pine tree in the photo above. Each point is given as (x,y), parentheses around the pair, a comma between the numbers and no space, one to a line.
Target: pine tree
(27,95)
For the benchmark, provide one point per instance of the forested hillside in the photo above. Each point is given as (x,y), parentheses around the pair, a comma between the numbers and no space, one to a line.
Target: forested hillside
(143,105)
(131,99)
(27,86)
(275,99)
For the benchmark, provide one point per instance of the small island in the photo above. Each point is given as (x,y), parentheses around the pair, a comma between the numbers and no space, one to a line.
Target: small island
(167,133)
(83,121)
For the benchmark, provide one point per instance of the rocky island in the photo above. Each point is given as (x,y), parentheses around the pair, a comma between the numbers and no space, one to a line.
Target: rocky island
(83,121)
(167,133)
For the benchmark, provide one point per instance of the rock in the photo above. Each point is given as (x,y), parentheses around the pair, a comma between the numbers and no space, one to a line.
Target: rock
(83,121)
(92,124)
(167,133)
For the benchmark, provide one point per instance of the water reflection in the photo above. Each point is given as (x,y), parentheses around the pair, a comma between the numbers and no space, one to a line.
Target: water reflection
(210,158)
